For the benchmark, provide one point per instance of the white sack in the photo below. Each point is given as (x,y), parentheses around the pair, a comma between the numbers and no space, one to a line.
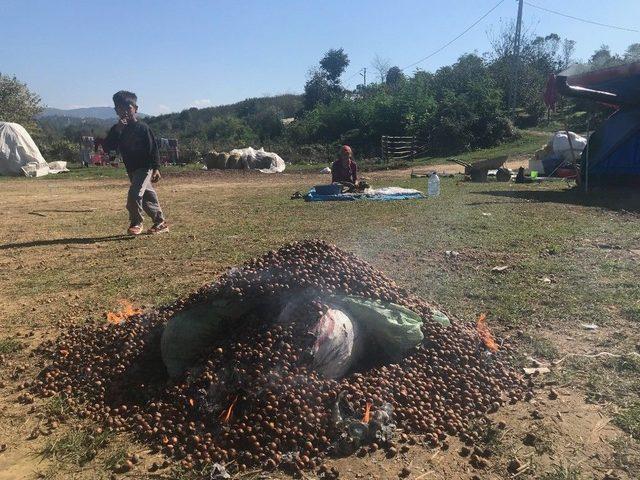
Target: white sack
(335,348)
(265,162)
(562,147)
(58,167)
(19,155)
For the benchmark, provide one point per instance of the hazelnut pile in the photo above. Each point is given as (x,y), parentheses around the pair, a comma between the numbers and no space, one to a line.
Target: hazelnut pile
(253,398)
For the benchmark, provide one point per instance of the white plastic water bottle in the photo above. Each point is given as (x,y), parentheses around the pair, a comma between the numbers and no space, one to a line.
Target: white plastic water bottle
(433,187)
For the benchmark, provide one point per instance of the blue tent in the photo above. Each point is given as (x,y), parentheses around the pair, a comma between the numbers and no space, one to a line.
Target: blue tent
(612,156)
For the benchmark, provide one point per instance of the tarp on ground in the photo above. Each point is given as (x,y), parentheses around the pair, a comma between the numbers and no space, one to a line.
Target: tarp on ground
(19,155)
(381,194)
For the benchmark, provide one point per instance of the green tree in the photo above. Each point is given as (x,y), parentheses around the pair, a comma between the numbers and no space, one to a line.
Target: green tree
(632,54)
(17,103)
(334,63)
(229,132)
(266,123)
(603,58)
(317,90)
(394,77)
(540,56)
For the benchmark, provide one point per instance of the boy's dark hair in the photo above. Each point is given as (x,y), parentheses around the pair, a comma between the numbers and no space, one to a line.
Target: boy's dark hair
(125,98)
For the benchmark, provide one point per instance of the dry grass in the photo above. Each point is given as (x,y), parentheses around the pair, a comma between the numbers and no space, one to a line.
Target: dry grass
(63,259)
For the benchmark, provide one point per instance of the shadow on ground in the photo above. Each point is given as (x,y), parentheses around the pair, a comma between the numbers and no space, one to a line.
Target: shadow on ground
(65,241)
(618,199)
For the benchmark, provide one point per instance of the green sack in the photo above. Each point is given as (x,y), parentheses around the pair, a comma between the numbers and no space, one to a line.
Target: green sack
(394,328)
(440,317)
(190,332)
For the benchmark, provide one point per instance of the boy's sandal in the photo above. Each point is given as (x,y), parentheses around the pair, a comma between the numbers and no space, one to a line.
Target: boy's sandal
(134,230)
(159,228)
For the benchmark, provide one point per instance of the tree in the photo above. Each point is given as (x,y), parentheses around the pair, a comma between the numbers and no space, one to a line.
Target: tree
(323,84)
(381,66)
(540,56)
(267,123)
(568,47)
(334,63)
(602,58)
(632,54)
(317,89)
(394,76)
(17,103)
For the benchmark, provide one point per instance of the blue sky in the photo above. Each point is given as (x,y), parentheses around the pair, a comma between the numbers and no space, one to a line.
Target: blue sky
(177,54)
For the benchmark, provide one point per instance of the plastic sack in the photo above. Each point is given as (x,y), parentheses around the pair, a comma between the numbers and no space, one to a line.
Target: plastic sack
(337,338)
(214,160)
(58,167)
(392,328)
(265,162)
(564,148)
(355,327)
(192,331)
(233,160)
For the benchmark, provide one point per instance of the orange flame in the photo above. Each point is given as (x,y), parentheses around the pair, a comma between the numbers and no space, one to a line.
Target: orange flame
(367,412)
(127,310)
(484,333)
(226,414)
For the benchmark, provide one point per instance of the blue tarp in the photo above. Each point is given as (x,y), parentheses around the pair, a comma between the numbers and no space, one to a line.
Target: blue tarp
(312,196)
(614,150)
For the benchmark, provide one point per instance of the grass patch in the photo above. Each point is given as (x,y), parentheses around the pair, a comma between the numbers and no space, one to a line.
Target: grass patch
(632,313)
(56,407)
(629,420)
(115,457)
(626,454)
(562,473)
(77,447)
(10,345)
(539,347)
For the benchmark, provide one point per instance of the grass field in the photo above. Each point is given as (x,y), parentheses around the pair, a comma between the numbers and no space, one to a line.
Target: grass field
(572,261)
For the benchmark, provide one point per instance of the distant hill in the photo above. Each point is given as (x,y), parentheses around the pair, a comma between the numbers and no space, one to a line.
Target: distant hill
(192,121)
(102,113)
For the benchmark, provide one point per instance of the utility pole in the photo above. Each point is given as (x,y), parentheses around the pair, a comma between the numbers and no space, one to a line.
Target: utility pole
(364,74)
(515,67)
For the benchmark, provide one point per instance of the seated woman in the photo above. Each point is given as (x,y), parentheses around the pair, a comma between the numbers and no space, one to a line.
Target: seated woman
(344,170)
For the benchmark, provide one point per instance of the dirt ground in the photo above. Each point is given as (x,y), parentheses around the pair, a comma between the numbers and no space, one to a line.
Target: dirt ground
(63,260)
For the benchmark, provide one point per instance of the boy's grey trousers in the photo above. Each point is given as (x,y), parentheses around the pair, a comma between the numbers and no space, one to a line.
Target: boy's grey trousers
(143,197)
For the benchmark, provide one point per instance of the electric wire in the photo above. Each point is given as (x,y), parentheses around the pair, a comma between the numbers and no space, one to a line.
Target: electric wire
(456,38)
(581,19)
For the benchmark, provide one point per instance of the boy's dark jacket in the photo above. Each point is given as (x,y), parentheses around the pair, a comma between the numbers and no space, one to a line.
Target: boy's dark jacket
(136,144)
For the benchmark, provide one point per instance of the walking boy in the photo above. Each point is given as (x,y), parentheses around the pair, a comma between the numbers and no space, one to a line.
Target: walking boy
(137,145)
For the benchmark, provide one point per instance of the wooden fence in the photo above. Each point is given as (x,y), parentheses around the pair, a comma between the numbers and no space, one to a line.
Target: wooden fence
(401,148)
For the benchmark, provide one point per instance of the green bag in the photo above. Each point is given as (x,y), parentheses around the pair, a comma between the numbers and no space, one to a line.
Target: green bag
(394,328)
(190,332)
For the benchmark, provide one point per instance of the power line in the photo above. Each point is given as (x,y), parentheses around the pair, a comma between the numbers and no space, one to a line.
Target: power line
(581,19)
(456,38)
(359,72)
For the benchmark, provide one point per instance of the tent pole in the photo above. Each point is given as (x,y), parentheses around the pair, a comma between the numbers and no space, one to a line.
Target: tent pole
(586,173)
